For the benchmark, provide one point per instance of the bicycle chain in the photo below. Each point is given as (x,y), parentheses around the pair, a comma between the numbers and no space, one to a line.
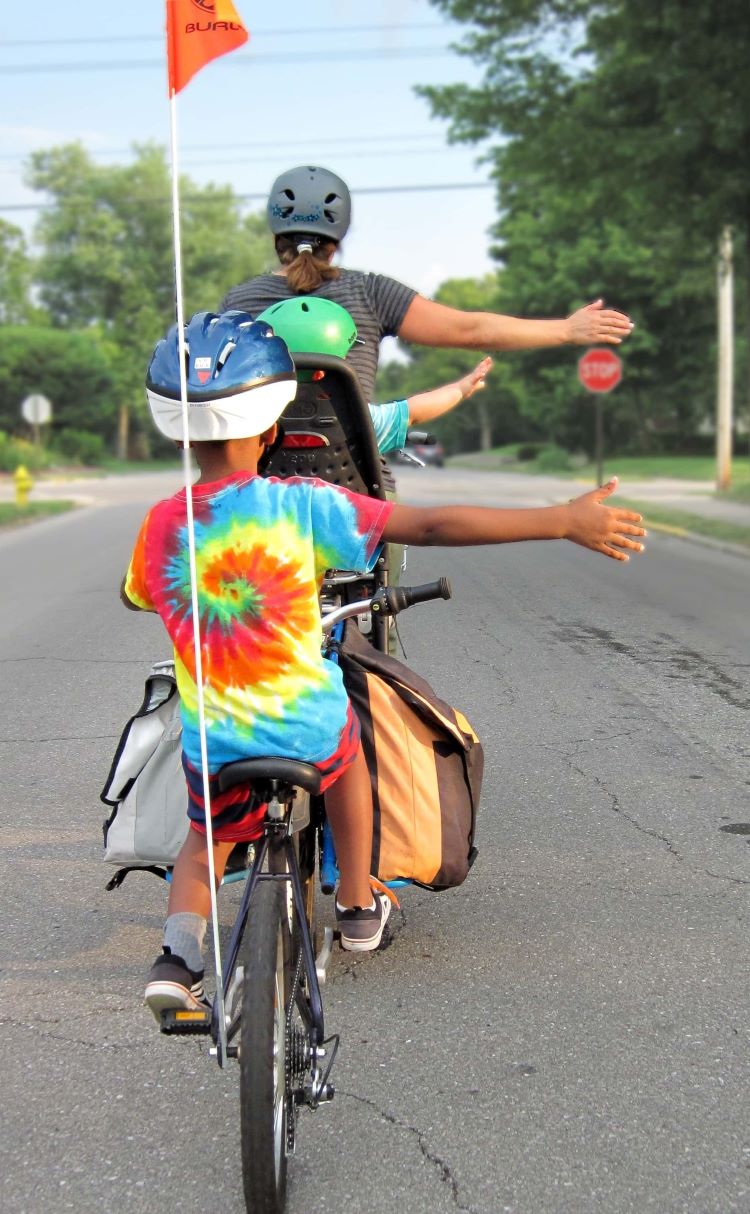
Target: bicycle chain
(296,1060)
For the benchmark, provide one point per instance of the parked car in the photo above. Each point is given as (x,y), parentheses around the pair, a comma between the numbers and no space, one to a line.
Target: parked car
(432,454)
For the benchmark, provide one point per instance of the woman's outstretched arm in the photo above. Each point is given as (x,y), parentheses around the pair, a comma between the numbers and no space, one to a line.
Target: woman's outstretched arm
(427,323)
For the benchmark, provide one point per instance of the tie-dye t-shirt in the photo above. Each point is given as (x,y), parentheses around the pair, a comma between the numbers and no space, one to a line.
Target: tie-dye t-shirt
(262,548)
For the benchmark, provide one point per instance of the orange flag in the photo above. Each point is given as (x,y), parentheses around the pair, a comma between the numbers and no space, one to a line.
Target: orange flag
(197,32)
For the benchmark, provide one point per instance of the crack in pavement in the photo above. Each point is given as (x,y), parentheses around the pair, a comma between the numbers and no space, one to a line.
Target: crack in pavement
(116,1046)
(645,830)
(91,737)
(446,1172)
(75,661)
(683,663)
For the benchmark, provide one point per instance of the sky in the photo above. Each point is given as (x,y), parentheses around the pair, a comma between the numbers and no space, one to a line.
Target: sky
(336,90)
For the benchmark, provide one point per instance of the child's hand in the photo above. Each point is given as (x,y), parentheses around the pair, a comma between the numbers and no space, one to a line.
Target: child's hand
(605,529)
(472,382)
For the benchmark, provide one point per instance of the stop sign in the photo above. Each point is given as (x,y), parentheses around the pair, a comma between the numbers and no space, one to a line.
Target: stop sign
(600,370)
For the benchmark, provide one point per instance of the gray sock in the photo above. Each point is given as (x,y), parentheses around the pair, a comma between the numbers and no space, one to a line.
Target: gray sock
(183,936)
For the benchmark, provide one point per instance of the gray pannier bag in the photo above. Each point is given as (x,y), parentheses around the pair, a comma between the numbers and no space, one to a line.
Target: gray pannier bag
(146,786)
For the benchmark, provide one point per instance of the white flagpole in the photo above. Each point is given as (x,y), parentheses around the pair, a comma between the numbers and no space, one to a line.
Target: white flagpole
(187,476)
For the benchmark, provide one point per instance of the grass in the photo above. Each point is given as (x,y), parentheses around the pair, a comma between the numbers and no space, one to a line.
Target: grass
(123,466)
(642,467)
(739,492)
(670,467)
(11,515)
(631,467)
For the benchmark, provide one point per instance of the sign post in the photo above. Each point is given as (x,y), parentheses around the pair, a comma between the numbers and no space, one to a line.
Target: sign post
(599,370)
(37,411)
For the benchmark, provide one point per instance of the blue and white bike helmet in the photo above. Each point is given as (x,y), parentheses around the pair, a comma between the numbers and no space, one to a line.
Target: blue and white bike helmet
(240,378)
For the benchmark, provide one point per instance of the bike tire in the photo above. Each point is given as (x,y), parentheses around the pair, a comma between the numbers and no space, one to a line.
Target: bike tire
(264,1098)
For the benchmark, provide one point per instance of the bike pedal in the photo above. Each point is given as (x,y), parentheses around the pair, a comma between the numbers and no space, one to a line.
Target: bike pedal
(179,1021)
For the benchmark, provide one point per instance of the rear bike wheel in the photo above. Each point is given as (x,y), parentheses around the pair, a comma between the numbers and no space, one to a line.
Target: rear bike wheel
(266,1108)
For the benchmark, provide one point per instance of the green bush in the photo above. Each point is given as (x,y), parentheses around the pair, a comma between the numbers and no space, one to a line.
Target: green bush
(527,451)
(80,445)
(553,459)
(15,451)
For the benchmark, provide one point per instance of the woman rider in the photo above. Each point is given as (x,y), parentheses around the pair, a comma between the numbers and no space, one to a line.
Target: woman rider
(309,210)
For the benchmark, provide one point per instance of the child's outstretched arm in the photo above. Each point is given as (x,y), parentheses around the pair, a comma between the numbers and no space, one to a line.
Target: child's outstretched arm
(426,406)
(585,520)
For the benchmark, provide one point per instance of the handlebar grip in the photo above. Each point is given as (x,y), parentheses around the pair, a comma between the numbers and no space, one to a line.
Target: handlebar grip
(406,596)
(420,436)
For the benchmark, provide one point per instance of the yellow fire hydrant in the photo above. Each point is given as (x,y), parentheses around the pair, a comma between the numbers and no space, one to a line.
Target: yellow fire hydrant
(24,484)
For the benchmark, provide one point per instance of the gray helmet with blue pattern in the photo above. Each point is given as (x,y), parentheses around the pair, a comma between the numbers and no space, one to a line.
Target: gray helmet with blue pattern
(312,201)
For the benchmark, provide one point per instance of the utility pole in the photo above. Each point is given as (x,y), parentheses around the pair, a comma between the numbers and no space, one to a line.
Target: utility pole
(123,432)
(725,385)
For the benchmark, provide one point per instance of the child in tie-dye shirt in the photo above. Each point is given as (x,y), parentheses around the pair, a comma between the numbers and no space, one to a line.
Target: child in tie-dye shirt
(262,548)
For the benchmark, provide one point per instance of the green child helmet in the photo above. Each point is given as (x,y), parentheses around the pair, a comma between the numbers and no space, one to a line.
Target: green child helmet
(311,325)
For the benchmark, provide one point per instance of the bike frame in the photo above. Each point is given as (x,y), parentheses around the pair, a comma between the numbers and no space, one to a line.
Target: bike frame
(278,840)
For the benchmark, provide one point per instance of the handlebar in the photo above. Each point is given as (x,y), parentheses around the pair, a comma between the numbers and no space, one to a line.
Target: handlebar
(398,598)
(420,437)
(389,600)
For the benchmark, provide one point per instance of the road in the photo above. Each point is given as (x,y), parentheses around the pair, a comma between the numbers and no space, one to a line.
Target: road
(566,1034)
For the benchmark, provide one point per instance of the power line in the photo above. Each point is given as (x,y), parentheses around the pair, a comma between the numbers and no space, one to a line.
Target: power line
(426,188)
(303,142)
(369,155)
(271,158)
(237,60)
(304,31)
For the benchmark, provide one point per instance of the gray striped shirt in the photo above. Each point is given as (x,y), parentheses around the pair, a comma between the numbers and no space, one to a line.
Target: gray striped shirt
(377,305)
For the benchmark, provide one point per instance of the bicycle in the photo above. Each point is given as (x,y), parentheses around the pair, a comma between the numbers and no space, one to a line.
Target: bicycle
(271,979)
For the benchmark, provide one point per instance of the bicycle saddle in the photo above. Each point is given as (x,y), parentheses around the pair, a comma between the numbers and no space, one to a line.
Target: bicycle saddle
(251,771)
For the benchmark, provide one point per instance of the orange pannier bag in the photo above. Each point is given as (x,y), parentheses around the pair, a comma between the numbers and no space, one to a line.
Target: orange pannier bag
(425,764)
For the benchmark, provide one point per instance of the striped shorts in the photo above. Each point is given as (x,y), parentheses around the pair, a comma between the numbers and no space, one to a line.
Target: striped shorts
(237,815)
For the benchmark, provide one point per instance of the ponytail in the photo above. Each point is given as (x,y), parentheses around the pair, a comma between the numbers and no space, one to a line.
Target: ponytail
(307,259)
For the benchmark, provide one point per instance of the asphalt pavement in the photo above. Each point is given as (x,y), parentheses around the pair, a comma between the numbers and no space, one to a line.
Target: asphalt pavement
(565,1034)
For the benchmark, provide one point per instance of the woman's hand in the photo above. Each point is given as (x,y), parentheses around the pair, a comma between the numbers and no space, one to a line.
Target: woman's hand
(595,324)
(605,529)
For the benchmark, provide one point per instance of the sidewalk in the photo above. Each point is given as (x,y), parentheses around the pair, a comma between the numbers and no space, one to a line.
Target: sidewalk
(497,488)
(694,497)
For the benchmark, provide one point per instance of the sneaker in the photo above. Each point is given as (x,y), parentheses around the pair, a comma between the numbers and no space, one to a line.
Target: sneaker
(172,985)
(362,928)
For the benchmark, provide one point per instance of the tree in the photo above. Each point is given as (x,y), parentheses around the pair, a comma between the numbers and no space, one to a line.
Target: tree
(620,135)
(491,416)
(107,258)
(69,368)
(15,275)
